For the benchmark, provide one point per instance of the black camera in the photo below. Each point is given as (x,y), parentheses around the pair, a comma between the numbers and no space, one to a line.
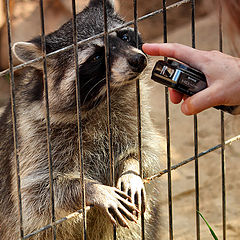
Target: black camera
(182,78)
(176,75)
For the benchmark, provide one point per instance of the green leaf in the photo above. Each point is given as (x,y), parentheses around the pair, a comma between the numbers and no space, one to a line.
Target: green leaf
(212,232)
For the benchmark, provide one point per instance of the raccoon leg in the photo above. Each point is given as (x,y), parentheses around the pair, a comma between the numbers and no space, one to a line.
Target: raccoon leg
(131,183)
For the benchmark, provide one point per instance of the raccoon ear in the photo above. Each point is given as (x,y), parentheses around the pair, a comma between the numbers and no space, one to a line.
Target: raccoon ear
(110,3)
(26,51)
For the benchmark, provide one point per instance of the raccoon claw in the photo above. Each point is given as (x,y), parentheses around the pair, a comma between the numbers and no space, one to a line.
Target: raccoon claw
(116,204)
(133,186)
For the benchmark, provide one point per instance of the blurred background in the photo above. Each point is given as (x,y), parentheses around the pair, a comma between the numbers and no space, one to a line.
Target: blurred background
(25,21)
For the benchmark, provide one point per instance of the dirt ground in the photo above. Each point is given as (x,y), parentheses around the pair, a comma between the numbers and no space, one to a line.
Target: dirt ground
(182,147)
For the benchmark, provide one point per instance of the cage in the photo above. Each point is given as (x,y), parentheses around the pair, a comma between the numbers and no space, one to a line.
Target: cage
(199,150)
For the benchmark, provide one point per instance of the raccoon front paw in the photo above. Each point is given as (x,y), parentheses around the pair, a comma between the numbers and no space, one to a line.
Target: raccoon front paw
(116,204)
(133,186)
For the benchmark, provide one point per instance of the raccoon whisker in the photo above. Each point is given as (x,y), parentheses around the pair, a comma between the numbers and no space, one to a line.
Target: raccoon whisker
(86,83)
(92,89)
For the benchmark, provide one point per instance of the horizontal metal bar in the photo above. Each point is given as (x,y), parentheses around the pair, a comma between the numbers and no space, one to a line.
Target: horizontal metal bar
(72,215)
(174,167)
(22,65)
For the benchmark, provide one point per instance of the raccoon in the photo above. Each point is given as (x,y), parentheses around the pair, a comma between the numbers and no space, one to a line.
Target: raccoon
(120,205)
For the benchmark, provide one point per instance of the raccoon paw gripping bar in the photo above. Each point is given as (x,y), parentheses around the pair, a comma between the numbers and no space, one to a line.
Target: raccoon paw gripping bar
(182,78)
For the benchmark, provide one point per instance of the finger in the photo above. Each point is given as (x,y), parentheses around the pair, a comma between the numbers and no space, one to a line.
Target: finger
(188,55)
(123,194)
(109,213)
(204,99)
(175,96)
(127,214)
(128,205)
(122,221)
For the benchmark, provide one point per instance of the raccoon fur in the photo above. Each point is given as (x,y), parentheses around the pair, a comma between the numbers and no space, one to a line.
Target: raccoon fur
(118,205)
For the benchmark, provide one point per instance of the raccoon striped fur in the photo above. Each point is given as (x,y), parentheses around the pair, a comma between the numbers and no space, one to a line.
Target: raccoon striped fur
(118,205)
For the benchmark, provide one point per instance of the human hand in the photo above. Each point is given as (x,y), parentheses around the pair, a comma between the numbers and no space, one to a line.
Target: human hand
(222,73)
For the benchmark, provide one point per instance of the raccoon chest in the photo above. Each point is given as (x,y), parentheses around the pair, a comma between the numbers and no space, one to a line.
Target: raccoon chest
(97,156)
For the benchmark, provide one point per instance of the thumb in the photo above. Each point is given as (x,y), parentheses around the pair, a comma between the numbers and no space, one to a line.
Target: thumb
(202,100)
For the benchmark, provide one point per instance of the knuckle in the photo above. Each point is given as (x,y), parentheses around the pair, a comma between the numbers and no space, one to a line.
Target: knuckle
(215,52)
(173,48)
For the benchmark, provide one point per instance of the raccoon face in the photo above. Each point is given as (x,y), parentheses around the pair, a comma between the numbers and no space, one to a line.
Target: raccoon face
(126,62)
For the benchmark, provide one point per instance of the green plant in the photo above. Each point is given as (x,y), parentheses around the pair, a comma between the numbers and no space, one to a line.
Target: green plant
(210,229)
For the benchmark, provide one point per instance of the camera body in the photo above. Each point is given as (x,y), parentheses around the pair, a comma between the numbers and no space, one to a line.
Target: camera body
(176,75)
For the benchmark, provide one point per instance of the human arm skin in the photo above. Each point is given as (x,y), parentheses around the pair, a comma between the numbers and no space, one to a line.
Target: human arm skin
(222,72)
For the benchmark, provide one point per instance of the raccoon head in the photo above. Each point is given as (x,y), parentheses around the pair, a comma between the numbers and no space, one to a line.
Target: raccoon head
(127,62)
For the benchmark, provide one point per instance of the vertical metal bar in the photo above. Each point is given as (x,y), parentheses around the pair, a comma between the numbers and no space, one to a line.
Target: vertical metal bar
(108,78)
(47,117)
(196,138)
(139,120)
(223,168)
(14,121)
(79,122)
(170,208)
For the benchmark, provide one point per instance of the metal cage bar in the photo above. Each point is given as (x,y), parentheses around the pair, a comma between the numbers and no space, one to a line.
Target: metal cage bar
(109,125)
(14,121)
(170,207)
(75,45)
(195,119)
(139,120)
(47,119)
(79,122)
(223,167)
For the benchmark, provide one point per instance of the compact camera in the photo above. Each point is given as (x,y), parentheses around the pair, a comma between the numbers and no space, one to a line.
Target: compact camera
(182,78)
(176,75)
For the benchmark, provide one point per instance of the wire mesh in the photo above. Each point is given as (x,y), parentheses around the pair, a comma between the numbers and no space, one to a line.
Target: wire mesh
(195,120)
(109,123)
(139,124)
(47,119)
(79,122)
(74,46)
(170,207)
(222,136)
(14,120)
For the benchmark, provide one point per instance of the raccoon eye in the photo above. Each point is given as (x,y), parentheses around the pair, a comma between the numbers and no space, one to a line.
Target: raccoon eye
(125,37)
(96,58)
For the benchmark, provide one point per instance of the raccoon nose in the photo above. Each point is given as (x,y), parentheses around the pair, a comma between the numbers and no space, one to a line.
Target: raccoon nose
(138,62)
